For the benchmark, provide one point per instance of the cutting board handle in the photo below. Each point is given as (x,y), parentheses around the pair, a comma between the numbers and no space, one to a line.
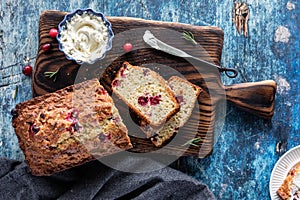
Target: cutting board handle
(256,98)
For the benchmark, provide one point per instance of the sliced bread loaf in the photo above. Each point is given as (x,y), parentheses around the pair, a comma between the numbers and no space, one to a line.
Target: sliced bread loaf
(69,127)
(186,94)
(290,188)
(146,93)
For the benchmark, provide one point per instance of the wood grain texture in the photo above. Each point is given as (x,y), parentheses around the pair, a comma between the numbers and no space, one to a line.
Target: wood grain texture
(210,38)
(257,98)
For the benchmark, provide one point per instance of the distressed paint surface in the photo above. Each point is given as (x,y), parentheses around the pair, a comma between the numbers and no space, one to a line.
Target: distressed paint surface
(245,153)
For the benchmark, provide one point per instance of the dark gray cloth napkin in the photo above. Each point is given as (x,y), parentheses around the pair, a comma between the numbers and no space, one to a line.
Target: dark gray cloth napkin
(94,180)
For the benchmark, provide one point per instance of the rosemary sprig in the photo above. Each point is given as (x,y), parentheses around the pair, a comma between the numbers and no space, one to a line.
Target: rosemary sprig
(16,92)
(193,142)
(189,36)
(52,74)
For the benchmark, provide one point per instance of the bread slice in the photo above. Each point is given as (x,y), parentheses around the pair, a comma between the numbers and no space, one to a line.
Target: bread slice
(186,94)
(69,127)
(146,93)
(290,188)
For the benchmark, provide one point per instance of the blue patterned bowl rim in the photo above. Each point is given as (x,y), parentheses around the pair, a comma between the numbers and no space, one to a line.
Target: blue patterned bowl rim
(62,26)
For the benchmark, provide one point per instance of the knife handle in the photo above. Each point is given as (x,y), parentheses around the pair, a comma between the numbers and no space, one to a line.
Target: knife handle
(256,97)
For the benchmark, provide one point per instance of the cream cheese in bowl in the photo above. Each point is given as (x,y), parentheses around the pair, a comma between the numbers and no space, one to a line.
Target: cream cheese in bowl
(85,36)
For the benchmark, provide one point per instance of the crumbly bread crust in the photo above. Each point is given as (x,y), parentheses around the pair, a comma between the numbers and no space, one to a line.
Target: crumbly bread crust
(69,127)
(146,93)
(284,191)
(186,94)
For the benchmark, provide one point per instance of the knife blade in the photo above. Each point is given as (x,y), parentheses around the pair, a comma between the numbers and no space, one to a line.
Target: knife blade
(157,44)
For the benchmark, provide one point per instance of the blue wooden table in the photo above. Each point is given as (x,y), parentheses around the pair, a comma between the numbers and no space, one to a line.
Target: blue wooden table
(245,152)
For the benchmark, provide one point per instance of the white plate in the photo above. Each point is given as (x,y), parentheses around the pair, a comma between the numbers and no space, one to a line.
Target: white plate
(281,169)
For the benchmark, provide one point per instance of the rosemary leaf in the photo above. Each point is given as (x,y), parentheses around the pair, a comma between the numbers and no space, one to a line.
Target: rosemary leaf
(16,92)
(52,74)
(195,145)
(189,36)
(193,142)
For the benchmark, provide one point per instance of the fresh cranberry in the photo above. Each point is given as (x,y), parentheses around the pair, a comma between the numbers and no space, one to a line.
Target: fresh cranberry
(116,120)
(76,126)
(102,137)
(115,83)
(103,91)
(179,99)
(53,32)
(14,113)
(74,114)
(146,72)
(69,117)
(35,129)
(108,136)
(155,100)
(46,47)
(127,47)
(73,117)
(123,70)
(292,173)
(143,100)
(154,139)
(27,70)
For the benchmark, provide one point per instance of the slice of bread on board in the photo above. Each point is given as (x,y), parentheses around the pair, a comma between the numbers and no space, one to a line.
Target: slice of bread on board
(186,94)
(146,93)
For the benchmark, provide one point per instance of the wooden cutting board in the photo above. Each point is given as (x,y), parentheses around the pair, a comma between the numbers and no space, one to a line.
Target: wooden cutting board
(257,98)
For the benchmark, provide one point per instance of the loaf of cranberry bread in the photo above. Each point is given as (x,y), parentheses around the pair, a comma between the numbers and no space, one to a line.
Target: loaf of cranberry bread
(146,93)
(186,94)
(290,188)
(69,127)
